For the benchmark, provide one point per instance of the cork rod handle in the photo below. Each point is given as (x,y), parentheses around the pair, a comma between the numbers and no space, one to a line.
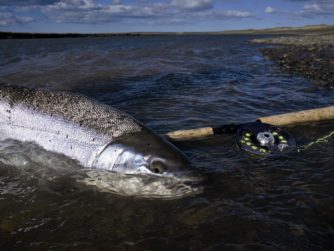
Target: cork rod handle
(301,117)
(190,133)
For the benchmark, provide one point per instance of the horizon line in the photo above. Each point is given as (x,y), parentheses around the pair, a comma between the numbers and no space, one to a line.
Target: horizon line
(178,32)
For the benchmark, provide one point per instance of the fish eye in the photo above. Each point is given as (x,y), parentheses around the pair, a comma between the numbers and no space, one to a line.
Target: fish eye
(157,167)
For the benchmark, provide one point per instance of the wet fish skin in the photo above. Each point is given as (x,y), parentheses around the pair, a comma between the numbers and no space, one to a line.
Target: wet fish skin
(84,129)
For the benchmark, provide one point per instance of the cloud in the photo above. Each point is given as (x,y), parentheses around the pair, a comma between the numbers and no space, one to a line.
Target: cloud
(236,14)
(117,11)
(269,10)
(7,19)
(192,4)
(318,8)
(87,11)
(312,7)
(173,11)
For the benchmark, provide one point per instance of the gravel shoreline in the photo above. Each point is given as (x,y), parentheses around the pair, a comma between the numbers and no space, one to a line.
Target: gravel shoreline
(311,56)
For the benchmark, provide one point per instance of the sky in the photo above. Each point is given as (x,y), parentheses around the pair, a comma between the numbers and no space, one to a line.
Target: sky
(96,16)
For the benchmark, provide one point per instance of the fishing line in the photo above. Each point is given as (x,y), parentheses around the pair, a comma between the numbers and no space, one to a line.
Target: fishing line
(321,140)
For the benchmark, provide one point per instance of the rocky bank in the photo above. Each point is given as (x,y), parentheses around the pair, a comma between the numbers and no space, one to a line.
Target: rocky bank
(310,55)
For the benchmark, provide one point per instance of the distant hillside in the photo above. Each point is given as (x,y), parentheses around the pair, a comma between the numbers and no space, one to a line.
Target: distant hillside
(286,30)
(324,29)
(27,35)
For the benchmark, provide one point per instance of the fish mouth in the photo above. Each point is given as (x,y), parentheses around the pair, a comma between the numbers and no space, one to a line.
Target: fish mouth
(143,185)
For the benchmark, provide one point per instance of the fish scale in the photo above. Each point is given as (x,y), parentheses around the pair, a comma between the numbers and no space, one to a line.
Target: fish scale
(94,134)
(75,108)
(61,122)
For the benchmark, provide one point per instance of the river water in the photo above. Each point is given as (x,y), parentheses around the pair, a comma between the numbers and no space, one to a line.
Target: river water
(170,83)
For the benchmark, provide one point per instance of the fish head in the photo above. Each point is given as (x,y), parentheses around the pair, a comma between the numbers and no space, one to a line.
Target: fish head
(144,152)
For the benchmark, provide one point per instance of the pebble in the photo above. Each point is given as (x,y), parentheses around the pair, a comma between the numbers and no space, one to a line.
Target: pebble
(310,56)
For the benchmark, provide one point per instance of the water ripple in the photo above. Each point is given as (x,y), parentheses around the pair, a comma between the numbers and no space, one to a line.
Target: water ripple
(169,83)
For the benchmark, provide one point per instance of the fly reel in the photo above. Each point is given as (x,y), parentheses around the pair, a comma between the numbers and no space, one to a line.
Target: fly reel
(264,139)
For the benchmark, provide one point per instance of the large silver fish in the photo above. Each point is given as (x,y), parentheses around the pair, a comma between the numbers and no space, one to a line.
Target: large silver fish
(96,135)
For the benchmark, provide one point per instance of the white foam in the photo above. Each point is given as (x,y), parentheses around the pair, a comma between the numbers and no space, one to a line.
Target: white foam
(28,161)
(140,185)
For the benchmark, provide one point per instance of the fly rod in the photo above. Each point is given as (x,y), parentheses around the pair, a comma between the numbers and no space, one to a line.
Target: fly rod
(262,137)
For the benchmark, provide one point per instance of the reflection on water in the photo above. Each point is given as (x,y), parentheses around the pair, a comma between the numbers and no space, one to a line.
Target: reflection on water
(47,202)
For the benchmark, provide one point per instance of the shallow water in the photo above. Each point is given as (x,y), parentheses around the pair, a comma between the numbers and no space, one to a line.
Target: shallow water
(169,83)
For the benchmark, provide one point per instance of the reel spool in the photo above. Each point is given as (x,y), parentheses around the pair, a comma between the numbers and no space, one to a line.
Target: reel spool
(264,139)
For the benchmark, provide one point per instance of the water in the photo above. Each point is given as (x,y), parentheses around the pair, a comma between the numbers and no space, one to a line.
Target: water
(169,83)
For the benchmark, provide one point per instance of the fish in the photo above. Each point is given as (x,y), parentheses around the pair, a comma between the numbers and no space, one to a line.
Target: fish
(94,134)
